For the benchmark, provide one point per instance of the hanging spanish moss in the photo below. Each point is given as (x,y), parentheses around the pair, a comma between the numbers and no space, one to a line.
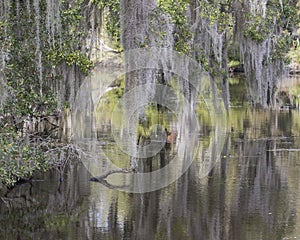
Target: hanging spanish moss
(4,43)
(48,47)
(210,42)
(138,22)
(260,39)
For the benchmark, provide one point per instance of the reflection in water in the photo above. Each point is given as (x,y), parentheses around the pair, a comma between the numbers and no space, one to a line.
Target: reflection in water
(251,193)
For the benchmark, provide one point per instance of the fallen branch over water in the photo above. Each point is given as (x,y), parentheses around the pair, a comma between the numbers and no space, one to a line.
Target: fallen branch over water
(284,150)
(102,179)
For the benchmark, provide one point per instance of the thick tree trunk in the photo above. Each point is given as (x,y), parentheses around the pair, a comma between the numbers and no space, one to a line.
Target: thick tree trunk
(134,34)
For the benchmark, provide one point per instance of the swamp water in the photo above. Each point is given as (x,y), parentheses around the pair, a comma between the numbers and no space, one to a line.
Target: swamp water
(251,192)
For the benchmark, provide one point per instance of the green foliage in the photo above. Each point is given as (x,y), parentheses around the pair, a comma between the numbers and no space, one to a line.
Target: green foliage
(71,15)
(290,14)
(112,19)
(22,73)
(257,27)
(76,57)
(31,95)
(67,48)
(281,49)
(218,13)
(19,158)
(30,103)
(177,12)
(176,9)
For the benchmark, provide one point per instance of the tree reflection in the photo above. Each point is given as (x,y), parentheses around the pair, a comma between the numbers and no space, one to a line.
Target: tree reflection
(251,193)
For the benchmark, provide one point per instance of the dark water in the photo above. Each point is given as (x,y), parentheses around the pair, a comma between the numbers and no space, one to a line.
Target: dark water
(253,192)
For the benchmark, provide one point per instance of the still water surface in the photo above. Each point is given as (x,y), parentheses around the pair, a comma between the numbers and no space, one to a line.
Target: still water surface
(252,192)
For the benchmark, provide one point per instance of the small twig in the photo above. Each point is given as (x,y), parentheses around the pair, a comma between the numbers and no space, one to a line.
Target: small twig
(5,201)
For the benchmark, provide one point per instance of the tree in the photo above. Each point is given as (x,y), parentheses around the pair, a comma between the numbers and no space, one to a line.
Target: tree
(263,30)
(42,62)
